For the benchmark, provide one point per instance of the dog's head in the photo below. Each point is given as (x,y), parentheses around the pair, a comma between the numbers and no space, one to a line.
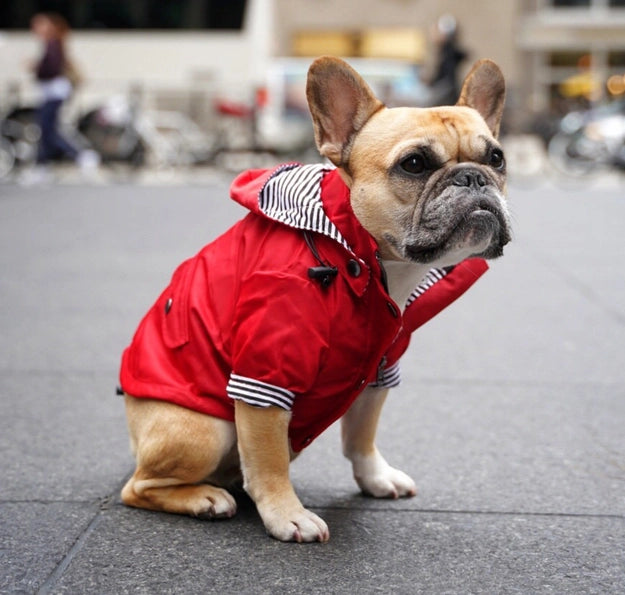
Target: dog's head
(427,183)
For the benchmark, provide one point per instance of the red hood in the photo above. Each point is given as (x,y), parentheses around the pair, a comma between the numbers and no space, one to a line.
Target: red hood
(247,186)
(298,196)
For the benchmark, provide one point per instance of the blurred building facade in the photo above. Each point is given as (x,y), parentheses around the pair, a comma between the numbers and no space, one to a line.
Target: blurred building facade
(570,47)
(545,47)
(540,44)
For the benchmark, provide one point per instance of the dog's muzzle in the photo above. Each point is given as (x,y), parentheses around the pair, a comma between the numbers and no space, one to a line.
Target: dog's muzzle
(467,209)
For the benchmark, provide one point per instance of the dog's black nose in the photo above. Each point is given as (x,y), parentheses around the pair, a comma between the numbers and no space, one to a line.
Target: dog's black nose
(468,178)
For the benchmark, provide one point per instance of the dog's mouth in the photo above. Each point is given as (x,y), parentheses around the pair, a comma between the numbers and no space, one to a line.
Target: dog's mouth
(480,228)
(485,215)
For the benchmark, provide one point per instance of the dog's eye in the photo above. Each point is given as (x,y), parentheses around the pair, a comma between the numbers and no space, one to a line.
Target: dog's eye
(415,164)
(496,159)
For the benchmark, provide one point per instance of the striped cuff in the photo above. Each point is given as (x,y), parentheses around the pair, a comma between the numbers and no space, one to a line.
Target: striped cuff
(391,378)
(257,393)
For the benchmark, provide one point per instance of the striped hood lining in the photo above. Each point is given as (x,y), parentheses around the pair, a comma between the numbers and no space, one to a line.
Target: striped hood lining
(292,196)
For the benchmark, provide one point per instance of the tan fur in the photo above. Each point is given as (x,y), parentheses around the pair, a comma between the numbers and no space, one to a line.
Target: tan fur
(176,449)
(265,458)
(372,473)
(455,134)
(185,460)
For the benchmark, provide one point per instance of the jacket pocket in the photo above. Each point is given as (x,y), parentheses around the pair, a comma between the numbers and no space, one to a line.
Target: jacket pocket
(175,305)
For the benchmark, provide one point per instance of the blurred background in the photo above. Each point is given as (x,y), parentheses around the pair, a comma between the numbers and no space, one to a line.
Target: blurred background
(185,83)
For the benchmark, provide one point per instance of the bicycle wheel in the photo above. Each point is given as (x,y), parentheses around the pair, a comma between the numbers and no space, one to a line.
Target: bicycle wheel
(7,158)
(567,158)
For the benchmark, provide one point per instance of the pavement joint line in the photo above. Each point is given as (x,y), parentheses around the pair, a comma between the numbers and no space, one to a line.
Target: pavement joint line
(110,501)
(502,513)
(103,508)
(50,582)
(107,503)
(48,501)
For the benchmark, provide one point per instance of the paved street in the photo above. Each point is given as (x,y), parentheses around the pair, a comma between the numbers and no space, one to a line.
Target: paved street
(510,417)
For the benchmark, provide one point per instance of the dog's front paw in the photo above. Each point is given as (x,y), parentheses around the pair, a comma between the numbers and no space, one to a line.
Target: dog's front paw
(377,478)
(294,523)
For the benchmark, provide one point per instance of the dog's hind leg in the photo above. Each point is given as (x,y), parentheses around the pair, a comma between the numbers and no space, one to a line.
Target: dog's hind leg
(175,450)
(372,473)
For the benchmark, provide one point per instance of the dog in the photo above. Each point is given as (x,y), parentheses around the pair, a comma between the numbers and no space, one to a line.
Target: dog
(298,314)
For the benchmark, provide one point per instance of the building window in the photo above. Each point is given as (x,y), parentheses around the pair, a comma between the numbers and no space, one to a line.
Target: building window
(571,3)
(587,3)
(129,14)
(616,59)
(569,59)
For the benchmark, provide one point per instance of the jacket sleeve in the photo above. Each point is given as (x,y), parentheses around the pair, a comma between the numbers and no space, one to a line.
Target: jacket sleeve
(279,338)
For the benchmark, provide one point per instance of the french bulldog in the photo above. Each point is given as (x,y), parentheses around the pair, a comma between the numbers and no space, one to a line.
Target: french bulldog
(291,319)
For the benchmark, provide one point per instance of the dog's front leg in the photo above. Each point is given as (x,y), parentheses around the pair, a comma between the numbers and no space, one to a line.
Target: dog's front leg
(372,473)
(263,442)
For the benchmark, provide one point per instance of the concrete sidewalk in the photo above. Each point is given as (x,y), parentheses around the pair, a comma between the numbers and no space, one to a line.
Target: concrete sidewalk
(510,417)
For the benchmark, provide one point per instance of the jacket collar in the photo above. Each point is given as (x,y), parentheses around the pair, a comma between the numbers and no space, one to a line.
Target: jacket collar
(292,196)
(315,198)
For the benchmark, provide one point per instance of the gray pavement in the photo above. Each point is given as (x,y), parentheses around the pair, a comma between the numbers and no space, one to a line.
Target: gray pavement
(511,415)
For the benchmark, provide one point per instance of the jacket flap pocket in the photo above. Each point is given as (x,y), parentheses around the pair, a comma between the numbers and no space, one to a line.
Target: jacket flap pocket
(175,305)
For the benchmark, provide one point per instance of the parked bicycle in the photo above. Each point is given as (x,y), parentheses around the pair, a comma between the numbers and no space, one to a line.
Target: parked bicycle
(19,138)
(588,142)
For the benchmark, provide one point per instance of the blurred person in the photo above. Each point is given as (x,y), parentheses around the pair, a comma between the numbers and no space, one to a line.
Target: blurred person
(53,72)
(444,83)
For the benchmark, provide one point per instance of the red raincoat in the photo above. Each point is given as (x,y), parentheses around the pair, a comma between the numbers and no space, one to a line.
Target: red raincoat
(243,319)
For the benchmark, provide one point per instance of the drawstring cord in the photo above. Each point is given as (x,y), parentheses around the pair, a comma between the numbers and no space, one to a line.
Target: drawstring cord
(324,273)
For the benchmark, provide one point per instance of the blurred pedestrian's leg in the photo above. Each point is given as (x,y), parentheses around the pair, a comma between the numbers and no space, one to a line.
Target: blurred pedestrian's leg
(52,141)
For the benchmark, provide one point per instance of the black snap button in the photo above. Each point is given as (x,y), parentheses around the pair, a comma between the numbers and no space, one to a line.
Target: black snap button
(307,440)
(353,268)
(168,305)
(392,309)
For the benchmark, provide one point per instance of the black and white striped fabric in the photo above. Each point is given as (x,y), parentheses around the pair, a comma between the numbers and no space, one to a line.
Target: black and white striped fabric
(293,196)
(432,277)
(257,393)
(391,377)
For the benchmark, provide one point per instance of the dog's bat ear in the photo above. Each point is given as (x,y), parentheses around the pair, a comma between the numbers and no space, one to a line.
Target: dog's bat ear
(484,89)
(340,103)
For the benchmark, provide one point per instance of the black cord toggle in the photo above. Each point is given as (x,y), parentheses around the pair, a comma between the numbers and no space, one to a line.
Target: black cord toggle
(324,274)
